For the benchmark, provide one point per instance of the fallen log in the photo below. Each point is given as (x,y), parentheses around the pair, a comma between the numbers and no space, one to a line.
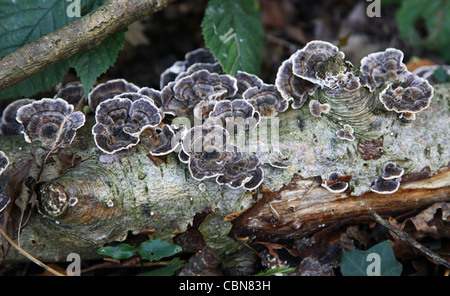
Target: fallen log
(105,197)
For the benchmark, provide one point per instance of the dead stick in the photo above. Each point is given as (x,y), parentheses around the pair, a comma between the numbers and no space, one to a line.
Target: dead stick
(409,240)
(84,33)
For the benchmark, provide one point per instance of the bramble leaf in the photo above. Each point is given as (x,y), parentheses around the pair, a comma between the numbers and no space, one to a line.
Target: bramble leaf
(234,33)
(378,260)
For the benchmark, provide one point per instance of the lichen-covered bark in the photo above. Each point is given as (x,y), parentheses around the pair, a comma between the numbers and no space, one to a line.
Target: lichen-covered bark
(132,191)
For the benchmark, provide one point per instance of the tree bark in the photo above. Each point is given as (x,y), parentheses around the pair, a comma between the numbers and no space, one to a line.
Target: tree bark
(135,192)
(84,33)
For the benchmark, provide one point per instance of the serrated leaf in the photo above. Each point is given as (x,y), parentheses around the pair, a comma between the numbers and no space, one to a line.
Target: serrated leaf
(153,250)
(167,270)
(90,64)
(378,260)
(121,251)
(234,33)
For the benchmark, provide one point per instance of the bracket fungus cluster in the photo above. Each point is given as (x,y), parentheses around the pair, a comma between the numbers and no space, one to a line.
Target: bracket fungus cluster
(389,181)
(353,105)
(50,121)
(346,94)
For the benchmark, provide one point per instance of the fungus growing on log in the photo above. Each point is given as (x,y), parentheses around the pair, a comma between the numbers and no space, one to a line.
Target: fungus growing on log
(335,183)
(383,186)
(346,133)
(120,121)
(230,113)
(50,121)
(9,125)
(109,90)
(392,171)
(72,93)
(266,99)
(317,109)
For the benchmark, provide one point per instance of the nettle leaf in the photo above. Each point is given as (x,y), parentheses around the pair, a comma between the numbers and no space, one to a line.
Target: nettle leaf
(154,250)
(24,21)
(90,64)
(234,33)
(121,251)
(378,260)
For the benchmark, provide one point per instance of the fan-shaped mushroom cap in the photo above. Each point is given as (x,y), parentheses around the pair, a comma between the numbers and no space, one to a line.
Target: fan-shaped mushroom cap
(245,81)
(308,62)
(334,183)
(237,112)
(4,162)
(346,133)
(52,122)
(159,141)
(411,96)
(317,109)
(199,139)
(108,90)
(180,98)
(72,93)
(392,171)
(198,56)
(381,67)
(9,125)
(119,122)
(383,186)
(266,99)
(242,173)
(293,87)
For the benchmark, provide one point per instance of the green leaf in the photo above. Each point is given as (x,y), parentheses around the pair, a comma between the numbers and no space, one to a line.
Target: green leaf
(167,270)
(276,270)
(234,33)
(432,16)
(121,251)
(378,260)
(90,64)
(153,250)
(24,21)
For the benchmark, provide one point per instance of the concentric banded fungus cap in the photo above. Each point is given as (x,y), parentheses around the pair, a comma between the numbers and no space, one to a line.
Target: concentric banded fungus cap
(212,68)
(245,81)
(411,96)
(4,162)
(392,171)
(266,99)
(317,109)
(309,62)
(119,122)
(159,141)
(383,186)
(197,56)
(153,94)
(200,139)
(242,173)
(293,87)
(190,90)
(381,67)
(336,183)
(230,113)
(9,125)
(346,133)
(50,121)
(72,93)
(108,90)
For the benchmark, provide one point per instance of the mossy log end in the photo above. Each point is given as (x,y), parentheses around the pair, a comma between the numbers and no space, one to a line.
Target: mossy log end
(134,192)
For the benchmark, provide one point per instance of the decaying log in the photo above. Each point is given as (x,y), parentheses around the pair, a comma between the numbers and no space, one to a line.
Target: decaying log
(132,192)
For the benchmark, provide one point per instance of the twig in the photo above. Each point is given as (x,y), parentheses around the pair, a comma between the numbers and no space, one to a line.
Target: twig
(28,255)
(409,240)
(82,34)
